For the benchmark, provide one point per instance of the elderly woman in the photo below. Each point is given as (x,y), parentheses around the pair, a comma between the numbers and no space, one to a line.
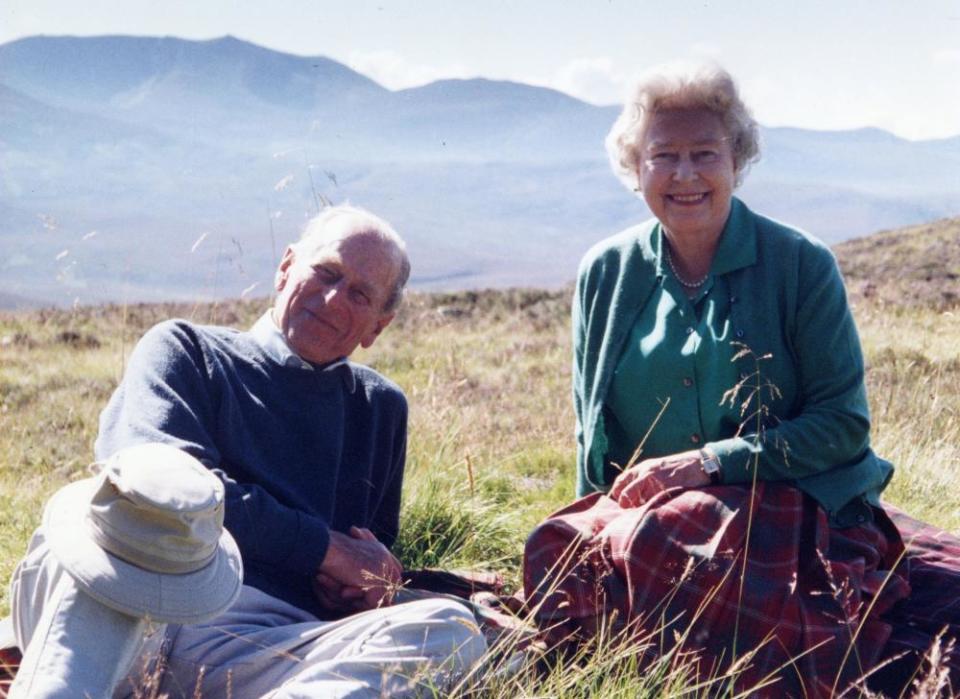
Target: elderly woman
(720,405)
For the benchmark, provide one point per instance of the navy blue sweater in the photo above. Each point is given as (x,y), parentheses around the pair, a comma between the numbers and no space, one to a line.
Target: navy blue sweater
(301,451)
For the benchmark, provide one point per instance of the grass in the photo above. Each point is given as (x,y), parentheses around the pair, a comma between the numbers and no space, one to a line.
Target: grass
(491,448)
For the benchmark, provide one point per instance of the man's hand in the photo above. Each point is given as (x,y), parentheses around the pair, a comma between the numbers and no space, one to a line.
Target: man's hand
(357,573)
(638,484)
(338,598)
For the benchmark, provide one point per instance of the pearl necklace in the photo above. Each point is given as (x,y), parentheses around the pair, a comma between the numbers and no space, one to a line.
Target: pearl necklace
(690,285)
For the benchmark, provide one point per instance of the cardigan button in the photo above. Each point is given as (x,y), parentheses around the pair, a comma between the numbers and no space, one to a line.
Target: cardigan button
(695,438)
(687,381)
(733,299)
(689,331)
(740,332)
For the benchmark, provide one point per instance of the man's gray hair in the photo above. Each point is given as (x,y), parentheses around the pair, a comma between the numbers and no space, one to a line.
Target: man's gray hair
(682,86)
(361,222)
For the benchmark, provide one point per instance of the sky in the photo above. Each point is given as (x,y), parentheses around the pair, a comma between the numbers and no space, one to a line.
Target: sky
(821,64)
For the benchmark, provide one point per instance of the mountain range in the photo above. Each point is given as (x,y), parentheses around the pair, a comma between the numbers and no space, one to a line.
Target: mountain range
(147,168)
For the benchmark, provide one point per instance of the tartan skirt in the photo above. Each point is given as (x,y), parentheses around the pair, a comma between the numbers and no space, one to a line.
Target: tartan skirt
(812,611)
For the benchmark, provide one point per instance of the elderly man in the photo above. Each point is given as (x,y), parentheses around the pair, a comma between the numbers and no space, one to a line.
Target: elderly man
(310,449)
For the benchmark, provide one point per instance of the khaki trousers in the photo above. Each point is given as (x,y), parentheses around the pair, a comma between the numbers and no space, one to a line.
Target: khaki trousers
(262,647)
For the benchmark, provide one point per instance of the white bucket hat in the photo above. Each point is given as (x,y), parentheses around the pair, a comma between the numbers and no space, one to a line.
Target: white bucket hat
(146,538)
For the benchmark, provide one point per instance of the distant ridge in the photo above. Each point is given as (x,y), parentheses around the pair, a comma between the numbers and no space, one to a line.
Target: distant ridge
(13,302)
(67,68)
(155,143)
(911,266)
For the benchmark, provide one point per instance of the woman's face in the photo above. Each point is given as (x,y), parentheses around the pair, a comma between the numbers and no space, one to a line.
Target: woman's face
(685,171)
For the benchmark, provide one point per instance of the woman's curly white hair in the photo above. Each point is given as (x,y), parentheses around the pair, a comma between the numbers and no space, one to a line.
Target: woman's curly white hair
(682,86)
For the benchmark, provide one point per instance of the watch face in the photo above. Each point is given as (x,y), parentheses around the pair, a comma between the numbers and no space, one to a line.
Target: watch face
(710,465)
(709,462)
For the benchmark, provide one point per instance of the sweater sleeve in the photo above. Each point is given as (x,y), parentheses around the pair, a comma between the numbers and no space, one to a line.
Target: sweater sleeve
(578,326)
(831,427)
(386,519)
(168,395)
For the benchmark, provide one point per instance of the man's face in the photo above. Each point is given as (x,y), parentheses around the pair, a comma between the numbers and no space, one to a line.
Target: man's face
(331,294)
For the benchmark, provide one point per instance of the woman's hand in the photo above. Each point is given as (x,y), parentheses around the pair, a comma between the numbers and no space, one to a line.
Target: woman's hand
(639,483)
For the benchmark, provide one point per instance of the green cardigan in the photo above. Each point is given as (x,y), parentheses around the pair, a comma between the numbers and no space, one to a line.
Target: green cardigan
(787,301)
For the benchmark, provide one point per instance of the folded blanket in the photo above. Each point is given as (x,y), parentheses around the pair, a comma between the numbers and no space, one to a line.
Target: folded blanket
(809,612)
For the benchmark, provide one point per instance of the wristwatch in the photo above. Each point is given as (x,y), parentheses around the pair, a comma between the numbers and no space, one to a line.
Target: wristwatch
(710,465)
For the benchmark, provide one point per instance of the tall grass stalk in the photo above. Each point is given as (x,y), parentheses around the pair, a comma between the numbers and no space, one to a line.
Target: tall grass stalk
(487,375)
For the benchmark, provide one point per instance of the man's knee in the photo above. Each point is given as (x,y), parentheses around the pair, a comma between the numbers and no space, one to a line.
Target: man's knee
(448,626)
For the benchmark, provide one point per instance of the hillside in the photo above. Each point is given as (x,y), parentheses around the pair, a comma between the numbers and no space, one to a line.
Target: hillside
(152,142)
(912,266)
(491,448)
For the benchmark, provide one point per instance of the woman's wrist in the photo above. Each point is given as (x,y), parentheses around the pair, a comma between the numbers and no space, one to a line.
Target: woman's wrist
(710,465)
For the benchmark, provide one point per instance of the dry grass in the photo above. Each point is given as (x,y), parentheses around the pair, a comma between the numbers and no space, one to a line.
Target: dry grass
(491,448)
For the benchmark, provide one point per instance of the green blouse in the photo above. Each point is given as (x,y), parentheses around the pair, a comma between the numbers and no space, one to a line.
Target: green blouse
(675,368)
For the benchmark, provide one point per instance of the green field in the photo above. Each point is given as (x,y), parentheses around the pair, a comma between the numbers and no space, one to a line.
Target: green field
(491,448)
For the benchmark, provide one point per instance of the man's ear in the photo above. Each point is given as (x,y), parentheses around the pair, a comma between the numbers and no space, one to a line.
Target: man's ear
(382,323)
(283,271)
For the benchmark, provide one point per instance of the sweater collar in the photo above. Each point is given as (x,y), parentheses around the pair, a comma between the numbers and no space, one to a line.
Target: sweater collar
(266,334)
(738,242)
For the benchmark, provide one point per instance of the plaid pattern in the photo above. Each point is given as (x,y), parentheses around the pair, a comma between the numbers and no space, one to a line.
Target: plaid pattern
(933,607)
(9,662)
(810,609)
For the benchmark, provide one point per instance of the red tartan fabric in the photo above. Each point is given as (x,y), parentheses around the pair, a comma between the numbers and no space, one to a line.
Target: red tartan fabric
(675,562)
(933,608)
(9,662)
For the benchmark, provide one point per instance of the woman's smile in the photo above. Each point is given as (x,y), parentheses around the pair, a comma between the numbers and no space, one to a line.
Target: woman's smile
(688,199)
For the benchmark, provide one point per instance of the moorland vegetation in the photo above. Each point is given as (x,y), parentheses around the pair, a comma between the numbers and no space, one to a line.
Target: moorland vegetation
(491,448)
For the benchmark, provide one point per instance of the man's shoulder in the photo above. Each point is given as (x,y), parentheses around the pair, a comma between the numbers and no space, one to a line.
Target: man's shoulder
(376,386)
(171,343)
(186,332)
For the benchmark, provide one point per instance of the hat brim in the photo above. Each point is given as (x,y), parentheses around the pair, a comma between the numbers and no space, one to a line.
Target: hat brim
(180,599)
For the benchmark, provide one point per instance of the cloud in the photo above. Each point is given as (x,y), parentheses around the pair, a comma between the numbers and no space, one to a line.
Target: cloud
(601,81)
(947,56)
(595,80)
(395,72)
